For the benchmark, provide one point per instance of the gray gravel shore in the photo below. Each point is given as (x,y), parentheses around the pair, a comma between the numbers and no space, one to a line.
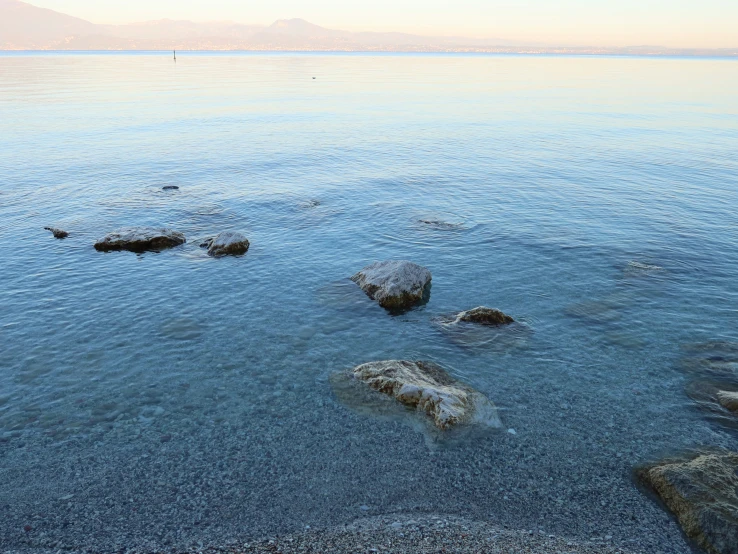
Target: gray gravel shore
(401,533)
(429,534)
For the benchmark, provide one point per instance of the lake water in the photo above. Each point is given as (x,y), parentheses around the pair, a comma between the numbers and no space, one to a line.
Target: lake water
(175,400)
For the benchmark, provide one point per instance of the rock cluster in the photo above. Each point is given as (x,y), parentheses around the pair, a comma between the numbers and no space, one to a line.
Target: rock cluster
(703,495)
(227,243)
(427,388)
(395,285)
(140,239)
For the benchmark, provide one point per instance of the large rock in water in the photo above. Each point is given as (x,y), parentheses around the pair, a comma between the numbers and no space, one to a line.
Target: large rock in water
(426,387)
(227,243)
(703,494)
(140,239)
(395,285)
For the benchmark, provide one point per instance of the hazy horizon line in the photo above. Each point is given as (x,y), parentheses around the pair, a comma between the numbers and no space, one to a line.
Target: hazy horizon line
(34,29)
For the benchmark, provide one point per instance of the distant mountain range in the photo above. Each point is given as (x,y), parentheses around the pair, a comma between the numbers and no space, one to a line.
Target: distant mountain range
(27,27)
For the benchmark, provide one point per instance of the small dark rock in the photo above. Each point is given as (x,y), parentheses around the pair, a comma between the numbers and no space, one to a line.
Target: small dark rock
(170,187)
(27,528)
(227,243)
(485,316)
(58,233)
(140,239)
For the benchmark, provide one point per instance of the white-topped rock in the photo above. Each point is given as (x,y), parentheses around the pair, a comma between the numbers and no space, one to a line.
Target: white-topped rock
(426,387)
(228,243)
(140,239)
(395,285)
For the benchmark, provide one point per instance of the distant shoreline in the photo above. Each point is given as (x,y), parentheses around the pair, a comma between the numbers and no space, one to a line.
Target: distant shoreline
(668,55)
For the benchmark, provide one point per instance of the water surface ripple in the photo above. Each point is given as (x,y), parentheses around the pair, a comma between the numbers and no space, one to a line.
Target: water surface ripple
(170,399)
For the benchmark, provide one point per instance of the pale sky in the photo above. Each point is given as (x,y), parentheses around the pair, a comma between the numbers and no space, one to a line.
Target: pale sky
(677,23)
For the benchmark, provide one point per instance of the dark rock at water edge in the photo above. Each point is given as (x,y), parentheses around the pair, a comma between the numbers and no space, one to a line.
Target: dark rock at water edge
(485,316)
(702,492)
(395,285)
(58,233)
(140,239)
(427,388)
(227,243)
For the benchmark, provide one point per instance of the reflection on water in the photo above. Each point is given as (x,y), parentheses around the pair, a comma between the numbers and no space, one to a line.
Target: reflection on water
(591,199)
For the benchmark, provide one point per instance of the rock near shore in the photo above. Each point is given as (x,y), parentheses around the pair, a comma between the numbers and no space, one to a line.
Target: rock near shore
(427,388)
(227,243)
(140,239)
(703,494)
(395,285)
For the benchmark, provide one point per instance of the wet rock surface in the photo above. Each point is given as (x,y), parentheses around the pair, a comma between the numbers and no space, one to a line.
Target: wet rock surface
(427,388)
(395,285)
(58,233)
(485,316)
(485,328)
(228,243)
(728,400)
(140,239)
(703,495)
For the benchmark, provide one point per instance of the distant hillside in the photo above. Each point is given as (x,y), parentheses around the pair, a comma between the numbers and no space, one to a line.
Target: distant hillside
(27,27)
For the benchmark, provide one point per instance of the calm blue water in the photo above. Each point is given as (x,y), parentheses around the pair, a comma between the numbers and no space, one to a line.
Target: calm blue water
(197,389)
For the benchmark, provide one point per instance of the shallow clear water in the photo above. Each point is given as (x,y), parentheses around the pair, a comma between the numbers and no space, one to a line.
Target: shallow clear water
(183,399)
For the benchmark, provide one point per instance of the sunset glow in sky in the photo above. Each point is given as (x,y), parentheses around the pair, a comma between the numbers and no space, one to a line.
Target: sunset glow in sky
(677,23)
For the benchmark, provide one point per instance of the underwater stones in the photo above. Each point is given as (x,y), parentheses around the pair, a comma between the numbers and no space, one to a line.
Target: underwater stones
(485,316)
(228,243)
(58,233)
(140,239)
(703,494)
(427,388)
(640,269)
(395,285)
(441,225)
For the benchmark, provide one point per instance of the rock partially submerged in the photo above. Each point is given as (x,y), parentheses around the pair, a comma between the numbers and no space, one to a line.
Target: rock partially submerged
(703,494)
(427,388)
(58,233)
(170,187)
(484,316)
(395,285)
(227,243)
(140,239)
(728,400)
